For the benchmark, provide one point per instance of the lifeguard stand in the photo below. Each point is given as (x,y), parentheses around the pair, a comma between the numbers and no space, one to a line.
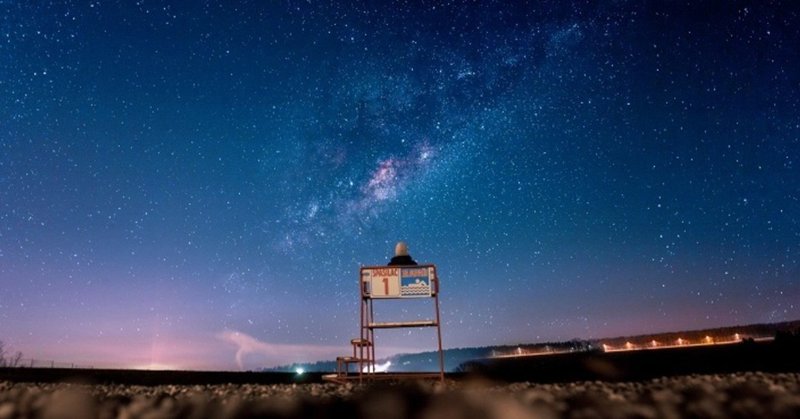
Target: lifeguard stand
(396,282)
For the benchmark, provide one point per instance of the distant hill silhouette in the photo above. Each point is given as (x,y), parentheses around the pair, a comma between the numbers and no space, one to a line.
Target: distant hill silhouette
(457,357)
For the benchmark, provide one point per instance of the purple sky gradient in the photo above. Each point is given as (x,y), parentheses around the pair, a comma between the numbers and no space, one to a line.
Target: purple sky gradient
(196,186)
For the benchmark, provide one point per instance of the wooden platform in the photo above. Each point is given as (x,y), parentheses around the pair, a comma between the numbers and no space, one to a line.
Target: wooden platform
(382,376)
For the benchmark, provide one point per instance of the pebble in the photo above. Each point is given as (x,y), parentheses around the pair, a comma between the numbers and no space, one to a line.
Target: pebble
(755,394)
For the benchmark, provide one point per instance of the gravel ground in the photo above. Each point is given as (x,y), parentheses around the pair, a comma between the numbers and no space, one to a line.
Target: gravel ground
(748,395)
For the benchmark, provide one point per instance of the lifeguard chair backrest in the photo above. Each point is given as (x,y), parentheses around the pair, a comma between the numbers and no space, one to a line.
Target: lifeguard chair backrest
(417,281)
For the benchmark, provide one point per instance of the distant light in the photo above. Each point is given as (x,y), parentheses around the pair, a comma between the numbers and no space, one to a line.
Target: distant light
(299,371)
(379,367)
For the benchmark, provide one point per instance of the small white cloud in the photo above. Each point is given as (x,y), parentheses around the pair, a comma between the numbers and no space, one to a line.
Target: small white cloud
(276,353)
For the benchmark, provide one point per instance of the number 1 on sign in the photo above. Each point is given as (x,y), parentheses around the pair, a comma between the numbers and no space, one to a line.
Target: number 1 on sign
(385,284)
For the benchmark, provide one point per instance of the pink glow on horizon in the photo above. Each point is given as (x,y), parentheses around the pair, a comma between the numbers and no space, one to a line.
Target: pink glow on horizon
(187,353)
(228,351)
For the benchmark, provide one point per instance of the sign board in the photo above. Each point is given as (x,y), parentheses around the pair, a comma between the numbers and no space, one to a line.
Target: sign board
(398,282)
(383,282)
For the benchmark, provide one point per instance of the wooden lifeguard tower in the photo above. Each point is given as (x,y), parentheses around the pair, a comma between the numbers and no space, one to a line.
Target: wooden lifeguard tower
(378,283)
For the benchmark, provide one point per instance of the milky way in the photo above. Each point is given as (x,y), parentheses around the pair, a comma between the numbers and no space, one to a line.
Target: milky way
(197,186)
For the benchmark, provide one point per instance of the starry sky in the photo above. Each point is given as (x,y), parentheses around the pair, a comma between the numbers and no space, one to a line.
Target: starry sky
(195,184)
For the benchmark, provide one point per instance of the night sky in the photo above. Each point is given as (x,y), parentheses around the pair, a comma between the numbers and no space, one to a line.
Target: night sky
(195,185)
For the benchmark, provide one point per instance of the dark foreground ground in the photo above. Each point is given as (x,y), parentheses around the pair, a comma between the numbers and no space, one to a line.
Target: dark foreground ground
(748,380)
(741,395)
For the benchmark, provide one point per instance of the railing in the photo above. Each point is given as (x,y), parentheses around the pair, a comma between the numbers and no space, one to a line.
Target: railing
(41,363)
(680,342)
(629,346)
(534,351)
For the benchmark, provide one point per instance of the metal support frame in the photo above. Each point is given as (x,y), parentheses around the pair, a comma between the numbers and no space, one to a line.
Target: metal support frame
(364,345)
(369,325)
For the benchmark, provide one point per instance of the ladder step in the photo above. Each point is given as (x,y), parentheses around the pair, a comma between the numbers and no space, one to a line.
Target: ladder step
(360,342)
